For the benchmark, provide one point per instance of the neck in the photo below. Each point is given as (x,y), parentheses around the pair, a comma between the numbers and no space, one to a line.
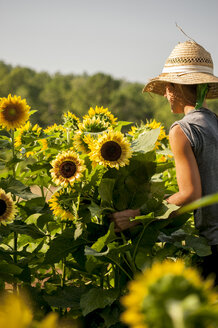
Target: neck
(187,109)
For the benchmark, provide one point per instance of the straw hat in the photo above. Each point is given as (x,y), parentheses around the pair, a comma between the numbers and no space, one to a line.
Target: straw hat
(189,63)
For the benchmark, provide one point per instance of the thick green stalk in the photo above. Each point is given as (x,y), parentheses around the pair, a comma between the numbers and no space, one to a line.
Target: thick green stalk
(63,275)
(138,242)
(129,256)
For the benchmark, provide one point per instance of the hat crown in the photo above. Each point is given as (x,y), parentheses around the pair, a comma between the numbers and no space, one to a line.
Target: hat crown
(189,53)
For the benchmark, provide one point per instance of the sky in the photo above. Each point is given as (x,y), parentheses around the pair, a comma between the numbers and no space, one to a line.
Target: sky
(128,39)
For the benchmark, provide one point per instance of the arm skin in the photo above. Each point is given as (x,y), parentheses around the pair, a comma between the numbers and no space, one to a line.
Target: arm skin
(187,173)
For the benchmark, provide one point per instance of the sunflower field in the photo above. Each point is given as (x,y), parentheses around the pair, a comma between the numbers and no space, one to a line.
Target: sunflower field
(62,262)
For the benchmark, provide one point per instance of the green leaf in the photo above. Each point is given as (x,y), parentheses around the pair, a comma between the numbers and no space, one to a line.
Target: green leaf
(17,188)
(67,297)
(106,190)
(199,244)
(9,269)
(31,112)
(106,239)
(61,246)
(39,167)
(143,258)
(26,229)
(161,167)
(4,255)
(121,124)
(5,144)
(146,141)
(165,210)
(32,206)
(97,298)
(111,315)
(44,219)
(145,219)
(204,201)
(95,209)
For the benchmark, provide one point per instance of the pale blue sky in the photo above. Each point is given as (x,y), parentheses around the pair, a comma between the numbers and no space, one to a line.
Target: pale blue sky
(128,39)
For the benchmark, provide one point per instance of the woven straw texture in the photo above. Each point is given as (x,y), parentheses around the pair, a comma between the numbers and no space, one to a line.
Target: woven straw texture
(184,54)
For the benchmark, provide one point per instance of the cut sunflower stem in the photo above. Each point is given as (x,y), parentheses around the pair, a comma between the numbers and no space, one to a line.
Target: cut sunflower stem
(129,256)
(121,268)
(138,242)
(63,275)
(42,192)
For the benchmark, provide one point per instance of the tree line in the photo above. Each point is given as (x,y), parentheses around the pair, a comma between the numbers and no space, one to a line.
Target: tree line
(53,94)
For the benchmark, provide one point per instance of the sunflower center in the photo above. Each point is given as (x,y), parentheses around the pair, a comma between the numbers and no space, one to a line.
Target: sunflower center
(111,151)
(3,206)
(10,113)
(68,169)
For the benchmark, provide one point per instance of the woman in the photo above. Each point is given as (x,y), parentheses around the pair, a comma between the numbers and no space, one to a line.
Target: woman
(187,79)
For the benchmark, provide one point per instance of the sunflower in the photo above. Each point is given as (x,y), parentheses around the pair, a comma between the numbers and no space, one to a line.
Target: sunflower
(71,120)
(67,168)
(61,204)
(14,112)
(93,125)
(152,293)
(103,114)
(54,128)
(79,142)
(7,207)
(111,149)
(27,132)
(43,143)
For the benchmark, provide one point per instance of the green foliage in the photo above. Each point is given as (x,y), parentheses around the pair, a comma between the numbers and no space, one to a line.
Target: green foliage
(51,95)
(65,252)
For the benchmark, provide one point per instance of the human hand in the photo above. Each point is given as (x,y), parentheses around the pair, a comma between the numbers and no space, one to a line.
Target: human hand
(122,219)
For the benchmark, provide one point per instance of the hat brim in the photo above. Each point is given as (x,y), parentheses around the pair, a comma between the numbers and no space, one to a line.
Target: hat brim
(158,85)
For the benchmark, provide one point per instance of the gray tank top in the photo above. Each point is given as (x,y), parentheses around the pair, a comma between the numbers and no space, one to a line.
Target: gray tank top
(201,128)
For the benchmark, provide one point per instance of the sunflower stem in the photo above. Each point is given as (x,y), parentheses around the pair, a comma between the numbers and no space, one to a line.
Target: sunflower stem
(129,256)
(42,192)
(138,242)
(63,275)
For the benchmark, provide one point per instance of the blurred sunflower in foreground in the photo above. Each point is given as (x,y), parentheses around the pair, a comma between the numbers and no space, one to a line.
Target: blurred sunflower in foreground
(169,295)
(14,313)
(7,207)
(14,112)
(111,149)
(67,168)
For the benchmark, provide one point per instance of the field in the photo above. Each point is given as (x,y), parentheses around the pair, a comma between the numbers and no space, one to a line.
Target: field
(63,263)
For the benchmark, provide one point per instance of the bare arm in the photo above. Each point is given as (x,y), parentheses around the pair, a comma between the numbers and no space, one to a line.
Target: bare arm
(187,173)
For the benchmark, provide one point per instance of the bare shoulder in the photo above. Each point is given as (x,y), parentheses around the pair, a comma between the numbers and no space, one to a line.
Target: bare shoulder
(177,137)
